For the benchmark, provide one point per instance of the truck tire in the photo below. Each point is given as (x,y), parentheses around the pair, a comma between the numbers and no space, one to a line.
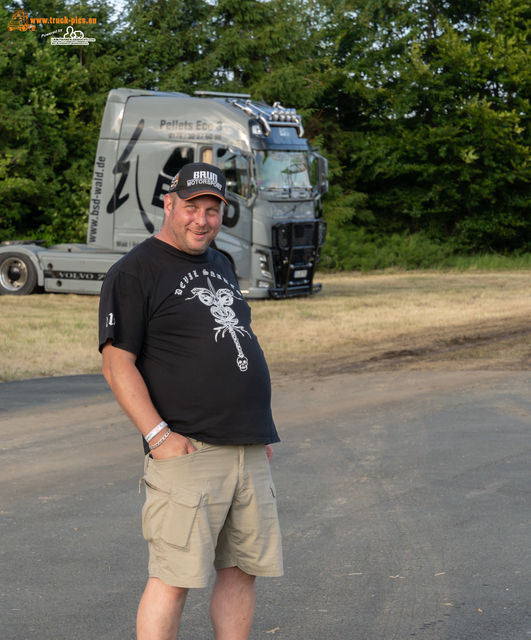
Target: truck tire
(18,276)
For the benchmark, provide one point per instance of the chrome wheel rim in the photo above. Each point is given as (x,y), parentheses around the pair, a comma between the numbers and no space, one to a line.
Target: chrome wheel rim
(13,274)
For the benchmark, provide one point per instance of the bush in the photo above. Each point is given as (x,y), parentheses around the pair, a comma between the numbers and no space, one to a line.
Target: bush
(356,249)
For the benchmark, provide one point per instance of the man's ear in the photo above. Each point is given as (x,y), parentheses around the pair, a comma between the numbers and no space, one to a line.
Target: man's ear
(168,204)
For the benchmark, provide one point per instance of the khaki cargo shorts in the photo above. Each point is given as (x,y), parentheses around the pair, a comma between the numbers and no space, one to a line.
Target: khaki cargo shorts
(214,507)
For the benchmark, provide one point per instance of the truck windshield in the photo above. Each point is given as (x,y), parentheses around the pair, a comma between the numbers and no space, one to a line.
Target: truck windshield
(278,169)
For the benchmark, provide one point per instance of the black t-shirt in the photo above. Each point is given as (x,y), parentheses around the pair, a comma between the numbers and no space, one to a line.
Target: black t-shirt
(185,319)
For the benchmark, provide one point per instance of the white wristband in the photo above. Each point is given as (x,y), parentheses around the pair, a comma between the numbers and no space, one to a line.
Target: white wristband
(156,430)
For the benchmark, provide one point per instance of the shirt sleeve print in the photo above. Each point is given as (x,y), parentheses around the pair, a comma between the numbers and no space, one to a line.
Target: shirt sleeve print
(122,314)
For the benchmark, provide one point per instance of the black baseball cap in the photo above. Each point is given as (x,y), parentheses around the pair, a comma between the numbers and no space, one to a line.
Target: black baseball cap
(199,179)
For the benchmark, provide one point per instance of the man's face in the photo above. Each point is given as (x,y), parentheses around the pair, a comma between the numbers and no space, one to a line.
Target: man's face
(191,225)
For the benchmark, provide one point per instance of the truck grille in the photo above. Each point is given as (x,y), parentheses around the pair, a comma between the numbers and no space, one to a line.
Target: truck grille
(296,234)
(297,248)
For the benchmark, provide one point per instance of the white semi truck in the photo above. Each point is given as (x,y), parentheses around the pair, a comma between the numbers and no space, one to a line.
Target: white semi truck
(272,229)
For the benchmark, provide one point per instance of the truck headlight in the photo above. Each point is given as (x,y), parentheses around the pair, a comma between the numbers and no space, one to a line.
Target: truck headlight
(265,267)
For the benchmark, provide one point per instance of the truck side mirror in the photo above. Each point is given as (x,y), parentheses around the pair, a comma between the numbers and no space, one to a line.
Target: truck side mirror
(323,175)
(319,166)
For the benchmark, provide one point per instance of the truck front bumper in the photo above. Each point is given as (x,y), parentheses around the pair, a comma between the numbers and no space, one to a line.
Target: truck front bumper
(294,292)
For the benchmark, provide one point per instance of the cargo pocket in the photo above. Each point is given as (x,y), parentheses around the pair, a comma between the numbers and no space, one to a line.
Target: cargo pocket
(180,516)
(153,511)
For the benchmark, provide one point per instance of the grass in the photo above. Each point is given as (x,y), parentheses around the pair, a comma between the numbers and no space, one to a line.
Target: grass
(490,262)
(355,317)
(48,335)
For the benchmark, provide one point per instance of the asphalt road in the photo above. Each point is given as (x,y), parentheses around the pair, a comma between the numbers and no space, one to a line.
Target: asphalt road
(404,500)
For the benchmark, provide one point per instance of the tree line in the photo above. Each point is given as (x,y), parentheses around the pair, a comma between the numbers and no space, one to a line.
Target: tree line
(421,106)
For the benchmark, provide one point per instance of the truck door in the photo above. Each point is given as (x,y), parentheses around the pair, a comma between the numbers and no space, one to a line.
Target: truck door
(236,233)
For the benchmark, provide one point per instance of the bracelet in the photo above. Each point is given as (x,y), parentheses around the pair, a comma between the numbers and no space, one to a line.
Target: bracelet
(156,430)
(157,444)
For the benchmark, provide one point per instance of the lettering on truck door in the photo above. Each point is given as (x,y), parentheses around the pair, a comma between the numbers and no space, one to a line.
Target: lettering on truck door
(122,169)
(178,157)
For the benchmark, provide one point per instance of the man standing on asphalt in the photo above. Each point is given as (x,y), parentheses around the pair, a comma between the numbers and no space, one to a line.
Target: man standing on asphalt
(186,368)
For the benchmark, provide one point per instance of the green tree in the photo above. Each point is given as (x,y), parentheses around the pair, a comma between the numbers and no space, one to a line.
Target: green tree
(161,43)
(431,103)
(265,47)
(51,101)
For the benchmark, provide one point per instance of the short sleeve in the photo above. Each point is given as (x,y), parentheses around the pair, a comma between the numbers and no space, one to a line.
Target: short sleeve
(122,313)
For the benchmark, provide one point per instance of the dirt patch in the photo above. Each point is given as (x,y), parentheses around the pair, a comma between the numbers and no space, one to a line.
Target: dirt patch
(502,346)
(403,322)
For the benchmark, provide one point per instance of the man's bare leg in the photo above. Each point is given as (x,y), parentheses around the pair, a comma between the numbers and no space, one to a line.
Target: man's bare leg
(232,604)
(159,611)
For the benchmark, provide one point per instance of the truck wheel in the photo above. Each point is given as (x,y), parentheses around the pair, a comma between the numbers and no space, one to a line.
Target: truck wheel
(18,276)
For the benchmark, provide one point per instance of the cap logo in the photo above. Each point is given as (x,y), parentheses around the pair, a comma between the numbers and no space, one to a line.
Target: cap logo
(205,177)
(196,179)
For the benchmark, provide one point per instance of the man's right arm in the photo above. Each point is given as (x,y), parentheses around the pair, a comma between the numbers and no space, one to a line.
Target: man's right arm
(130,390)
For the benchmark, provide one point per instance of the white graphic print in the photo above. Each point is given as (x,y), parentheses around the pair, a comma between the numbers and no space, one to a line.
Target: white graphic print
(220,302)
(110,320)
